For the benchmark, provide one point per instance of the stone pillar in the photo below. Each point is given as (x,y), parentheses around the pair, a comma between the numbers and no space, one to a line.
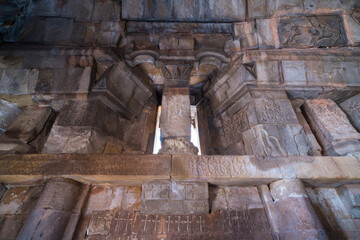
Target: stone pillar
(294,211)
(50,217)
(175,122)
(332,128)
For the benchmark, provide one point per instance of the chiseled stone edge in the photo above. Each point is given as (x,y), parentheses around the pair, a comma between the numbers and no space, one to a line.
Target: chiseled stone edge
(134,169)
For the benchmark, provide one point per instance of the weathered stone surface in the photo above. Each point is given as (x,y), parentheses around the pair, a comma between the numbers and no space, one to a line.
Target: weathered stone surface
(175,117)
(198,10)
(52,211)
(18,81)
(331,126)
(109,198)
(82,166)
(279,8)
(350,195)
(234,198)
(19,200)
(270,209)
(246,32)
(267,140)
(8,113)
(219,168)
(319,31)
(28,124)
(352,109)
(249,223)
(173,197)
(74,140)
(294,209)
(267,33)
(352,28)
(127,101)
(178,146)
(332,205)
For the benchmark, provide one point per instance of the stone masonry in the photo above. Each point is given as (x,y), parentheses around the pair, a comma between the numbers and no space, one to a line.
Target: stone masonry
(269,91)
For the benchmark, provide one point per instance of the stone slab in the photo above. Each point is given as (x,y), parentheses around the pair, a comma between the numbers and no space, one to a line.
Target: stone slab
(84,167)
(219,170)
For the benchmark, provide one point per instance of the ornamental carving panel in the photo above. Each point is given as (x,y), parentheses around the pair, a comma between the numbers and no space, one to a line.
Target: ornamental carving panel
(235,125)
(319,31)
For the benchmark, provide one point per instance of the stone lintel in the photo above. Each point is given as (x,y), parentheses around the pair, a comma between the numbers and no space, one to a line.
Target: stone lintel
(218,170)
(85,167)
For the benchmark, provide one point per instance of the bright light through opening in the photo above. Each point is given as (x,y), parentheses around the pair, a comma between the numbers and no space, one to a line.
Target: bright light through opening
(194,131)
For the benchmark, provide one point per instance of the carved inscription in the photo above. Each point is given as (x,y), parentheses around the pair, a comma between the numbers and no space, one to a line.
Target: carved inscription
(235,125)
(273,113)
(124,225)
(319,31)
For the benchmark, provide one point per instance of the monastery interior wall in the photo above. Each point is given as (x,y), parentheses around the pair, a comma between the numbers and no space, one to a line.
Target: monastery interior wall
(276,85)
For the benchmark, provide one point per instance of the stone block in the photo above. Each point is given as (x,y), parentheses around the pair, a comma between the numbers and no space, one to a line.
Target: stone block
(78,10)
(53,224)
(267,34)
(48,8)
(275,141)
(99,223)
(87,166)
(75,140)
(173,43)
(28,124)
(175,116)
(8,113)
(199,10)
(106,10)
(268,71)
(293,32)
(226,10)
(352,28)
(246,32)
(11,226)
(274,111)
(352,109)
(58,30)
(294,72)
(294,207)
(10,61)
(105,198)
(35,30)
(223,168)
(19,200)
(174,197)
(332,205)
(332,127)
(59,194)
(18,81)
(234,198)
(350,195)
(15,146)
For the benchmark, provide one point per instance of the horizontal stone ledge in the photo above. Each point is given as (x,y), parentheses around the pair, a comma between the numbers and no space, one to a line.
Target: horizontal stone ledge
(251,170)
(84,167)
(218,170)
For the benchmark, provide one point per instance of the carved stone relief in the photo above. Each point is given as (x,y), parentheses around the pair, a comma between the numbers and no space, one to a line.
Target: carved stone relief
(235,125)
(129,224)
(277,111)
(319,31)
